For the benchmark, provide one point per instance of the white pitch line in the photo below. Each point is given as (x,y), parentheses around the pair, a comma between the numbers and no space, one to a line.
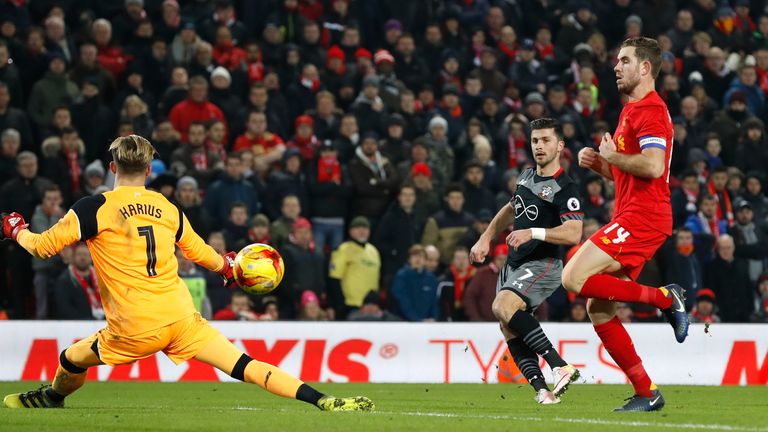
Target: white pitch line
(588,421)
(718,427)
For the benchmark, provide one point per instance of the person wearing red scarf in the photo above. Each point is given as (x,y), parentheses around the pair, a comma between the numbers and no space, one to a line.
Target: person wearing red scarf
(254,66)
(716,186)
(305,140)
(302,92)
(452,284)
(215,139)
(508,45)
(481,290)
(685,197)
(704,311)
(77,296)
(706,226)
(225,52)
(742,20)
(543,43)
(70,147)
(517,141)
(449,74)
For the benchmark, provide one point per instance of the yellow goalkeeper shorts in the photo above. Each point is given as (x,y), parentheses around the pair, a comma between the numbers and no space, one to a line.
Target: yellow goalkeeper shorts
(180,341)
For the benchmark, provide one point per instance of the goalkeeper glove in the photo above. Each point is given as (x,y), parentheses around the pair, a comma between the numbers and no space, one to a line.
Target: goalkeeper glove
(227,272)
(12,224)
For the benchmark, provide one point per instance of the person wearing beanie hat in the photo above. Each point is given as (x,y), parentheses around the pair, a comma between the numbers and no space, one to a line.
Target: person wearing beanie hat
(371,81)
(360,222)
(704,311)
(187,195)
(305,140)
(94,175)
(335,62)
(363,53)
(751,154)
(187,181)
(373,177)
(287,181)
(420,169)
(441,156)
(393,30)
(437,121)
(634,26)
(221,72)
(383,56)
(260,220)
(310,309)
(477,196)
(391,85)
(753,193)
(355,266)
(368,107)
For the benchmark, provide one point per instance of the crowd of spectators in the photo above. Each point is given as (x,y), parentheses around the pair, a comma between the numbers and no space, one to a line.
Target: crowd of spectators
(371,142)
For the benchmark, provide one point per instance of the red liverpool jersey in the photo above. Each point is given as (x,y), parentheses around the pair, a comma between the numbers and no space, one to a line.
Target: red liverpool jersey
(643,124)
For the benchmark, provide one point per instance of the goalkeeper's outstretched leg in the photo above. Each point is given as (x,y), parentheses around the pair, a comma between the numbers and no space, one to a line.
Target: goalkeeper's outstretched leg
(221,354)
(70,376)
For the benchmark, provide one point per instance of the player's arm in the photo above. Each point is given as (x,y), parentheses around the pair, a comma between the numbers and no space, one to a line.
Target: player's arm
(500,222)
(570,228)
(196,250)
(569,233)
(44,245)
(589,158)
(78,224)
(652,128)
(649,163)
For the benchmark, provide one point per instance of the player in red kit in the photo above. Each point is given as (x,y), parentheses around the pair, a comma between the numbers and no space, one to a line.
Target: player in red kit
(604,269)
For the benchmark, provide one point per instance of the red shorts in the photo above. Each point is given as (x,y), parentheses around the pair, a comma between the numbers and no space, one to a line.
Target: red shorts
(631,244)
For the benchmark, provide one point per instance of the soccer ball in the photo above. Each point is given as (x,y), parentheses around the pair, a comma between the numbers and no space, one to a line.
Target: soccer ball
(258,268)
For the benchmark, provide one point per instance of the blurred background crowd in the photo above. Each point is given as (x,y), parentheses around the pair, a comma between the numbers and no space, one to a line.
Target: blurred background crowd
(371,142)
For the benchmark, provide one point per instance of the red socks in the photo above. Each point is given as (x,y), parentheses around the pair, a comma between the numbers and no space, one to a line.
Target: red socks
(619,345)
(611,288)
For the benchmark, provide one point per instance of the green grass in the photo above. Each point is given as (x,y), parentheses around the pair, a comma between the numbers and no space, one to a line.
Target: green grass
(399,407)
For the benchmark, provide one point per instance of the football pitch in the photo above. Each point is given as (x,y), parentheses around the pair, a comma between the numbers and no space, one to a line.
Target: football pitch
(130,406)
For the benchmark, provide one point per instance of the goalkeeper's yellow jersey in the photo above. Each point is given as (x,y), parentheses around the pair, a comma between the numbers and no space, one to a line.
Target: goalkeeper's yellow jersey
(131,233)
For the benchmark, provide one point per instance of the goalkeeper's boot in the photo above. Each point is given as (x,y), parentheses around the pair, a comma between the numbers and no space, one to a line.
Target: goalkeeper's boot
(675,313)
(563,377)
(357,403)
(546,397)
(641,403)
(32,399)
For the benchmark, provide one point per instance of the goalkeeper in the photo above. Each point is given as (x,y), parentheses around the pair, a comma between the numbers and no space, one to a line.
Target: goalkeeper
(131,233)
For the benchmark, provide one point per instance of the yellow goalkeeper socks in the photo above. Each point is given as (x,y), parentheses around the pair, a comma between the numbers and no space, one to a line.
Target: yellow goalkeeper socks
(272,379)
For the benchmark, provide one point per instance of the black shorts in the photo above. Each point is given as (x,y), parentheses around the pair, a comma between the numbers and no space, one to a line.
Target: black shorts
(533,281)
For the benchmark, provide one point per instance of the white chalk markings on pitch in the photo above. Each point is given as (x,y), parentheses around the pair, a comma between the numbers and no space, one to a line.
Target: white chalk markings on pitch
(589,421)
